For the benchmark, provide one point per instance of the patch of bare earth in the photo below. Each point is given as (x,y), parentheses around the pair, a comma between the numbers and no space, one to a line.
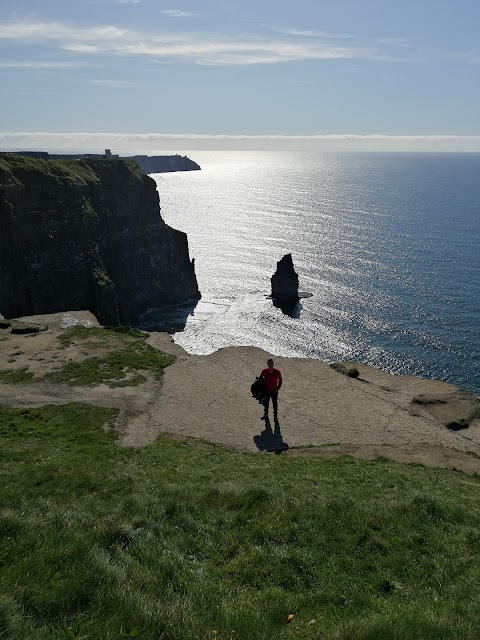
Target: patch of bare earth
(42,352)
(321,410)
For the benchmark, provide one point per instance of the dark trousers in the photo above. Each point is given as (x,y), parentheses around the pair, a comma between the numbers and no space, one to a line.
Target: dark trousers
(274,396)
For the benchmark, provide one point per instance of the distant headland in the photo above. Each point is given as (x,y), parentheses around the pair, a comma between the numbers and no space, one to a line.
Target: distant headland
(148,164)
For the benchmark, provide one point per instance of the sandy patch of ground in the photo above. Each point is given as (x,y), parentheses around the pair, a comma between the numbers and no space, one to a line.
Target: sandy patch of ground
(42,352)
(321,411)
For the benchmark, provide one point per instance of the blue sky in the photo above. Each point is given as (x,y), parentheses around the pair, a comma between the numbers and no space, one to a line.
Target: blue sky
(223,73)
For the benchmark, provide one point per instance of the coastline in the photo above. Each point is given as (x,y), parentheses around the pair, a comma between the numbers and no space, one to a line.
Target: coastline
(321,411)
(208,397)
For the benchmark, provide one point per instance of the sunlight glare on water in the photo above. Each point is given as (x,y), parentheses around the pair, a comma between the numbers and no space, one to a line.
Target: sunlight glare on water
(387,244)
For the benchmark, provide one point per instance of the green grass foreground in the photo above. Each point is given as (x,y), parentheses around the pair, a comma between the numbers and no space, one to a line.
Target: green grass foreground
(187,541)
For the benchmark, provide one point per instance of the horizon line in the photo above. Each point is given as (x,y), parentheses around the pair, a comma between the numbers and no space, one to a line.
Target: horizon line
(254,136)
(122,143)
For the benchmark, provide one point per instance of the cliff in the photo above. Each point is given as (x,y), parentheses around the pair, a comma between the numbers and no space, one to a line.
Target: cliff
(148,164)
(165,164)
(87,234)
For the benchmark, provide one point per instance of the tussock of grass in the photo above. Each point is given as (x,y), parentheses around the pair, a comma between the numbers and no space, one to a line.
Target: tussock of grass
(173,541)
(16,376)
(118,367)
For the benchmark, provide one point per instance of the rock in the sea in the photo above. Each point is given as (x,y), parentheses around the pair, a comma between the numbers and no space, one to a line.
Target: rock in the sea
(87,234)
(285,283)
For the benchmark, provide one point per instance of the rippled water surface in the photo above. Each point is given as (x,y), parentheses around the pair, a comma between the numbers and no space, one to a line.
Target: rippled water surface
(387,243)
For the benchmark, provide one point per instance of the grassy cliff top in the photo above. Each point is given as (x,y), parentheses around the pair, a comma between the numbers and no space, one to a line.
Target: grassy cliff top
(16,170)
(184,540)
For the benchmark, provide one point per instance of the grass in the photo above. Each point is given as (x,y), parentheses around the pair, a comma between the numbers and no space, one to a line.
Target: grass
(17,170)
(179,539)
(102,278)
(16,376)
(128,355)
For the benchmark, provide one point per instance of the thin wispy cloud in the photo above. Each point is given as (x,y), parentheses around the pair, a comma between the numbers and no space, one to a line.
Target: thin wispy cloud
(216,48)
(200,48)
(316,67)
(398,42)
(115,84)
(309,33)
(58,32)
(178,13)
(38,64)
(28,93)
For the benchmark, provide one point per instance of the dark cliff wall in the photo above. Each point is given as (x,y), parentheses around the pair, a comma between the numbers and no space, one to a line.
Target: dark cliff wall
(165,164)
(87,234)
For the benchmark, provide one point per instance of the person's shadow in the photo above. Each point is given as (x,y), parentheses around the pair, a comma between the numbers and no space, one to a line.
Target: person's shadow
(270,440)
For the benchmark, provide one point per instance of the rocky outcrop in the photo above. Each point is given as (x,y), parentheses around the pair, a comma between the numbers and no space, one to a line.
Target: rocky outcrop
(87,234)
(455,408)
(285,284)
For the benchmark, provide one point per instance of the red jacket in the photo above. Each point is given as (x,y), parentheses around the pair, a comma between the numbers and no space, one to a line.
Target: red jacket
(273,380)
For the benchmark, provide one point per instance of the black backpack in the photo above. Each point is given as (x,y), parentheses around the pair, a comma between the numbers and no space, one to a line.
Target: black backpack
(259,389)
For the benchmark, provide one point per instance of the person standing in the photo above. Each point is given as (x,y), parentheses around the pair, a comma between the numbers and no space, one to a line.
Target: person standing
(273,382)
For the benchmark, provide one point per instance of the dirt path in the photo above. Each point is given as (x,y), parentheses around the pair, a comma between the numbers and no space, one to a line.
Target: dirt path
(321,411)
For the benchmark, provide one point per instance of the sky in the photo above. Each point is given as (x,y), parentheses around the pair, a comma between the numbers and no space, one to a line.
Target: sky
(153,75)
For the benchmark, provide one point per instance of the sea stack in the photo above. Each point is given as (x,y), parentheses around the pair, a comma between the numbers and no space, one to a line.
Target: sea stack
(285,284)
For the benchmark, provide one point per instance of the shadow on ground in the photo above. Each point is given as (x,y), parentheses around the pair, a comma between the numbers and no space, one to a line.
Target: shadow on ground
(270,440)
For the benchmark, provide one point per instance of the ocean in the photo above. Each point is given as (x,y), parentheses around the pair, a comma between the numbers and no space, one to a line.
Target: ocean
(387,243)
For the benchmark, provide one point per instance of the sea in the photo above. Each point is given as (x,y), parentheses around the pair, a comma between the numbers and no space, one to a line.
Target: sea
(388,244)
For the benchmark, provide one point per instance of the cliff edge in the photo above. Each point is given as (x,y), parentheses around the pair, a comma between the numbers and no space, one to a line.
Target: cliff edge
(376,414)
(87,234)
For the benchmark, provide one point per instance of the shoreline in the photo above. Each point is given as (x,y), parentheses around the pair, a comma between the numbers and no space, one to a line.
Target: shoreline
(321,411)
(318,406)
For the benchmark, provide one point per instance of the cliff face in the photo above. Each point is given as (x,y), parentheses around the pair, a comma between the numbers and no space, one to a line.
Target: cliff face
(165,164)
(87,234)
